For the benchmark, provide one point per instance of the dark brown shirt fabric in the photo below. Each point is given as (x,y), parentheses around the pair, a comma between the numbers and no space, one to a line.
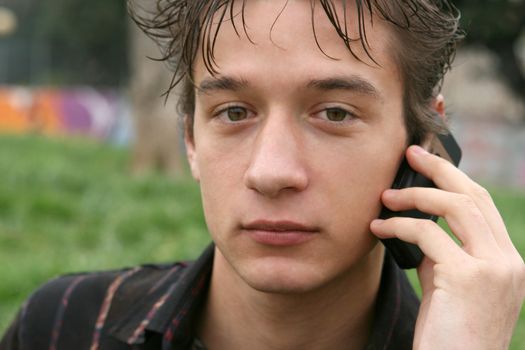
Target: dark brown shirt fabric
(156,306)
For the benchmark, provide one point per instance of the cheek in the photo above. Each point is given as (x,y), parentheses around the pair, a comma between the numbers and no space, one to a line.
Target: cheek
(220,177)
(217,176)
(356,180)
(357,196)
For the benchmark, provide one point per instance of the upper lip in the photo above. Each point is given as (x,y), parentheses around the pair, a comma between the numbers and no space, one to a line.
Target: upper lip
(278,226)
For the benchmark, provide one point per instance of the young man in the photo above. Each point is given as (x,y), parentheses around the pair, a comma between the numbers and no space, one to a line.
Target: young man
(298,114)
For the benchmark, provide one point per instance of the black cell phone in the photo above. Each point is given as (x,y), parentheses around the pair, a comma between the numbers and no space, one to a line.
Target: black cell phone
(408,255)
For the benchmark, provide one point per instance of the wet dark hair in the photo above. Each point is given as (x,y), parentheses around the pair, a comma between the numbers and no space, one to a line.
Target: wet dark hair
(426,33)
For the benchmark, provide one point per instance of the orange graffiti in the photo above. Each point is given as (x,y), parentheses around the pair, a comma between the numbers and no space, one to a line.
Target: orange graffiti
(22,110)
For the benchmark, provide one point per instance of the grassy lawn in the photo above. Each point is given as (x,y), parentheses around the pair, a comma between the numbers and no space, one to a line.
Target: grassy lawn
(69,205)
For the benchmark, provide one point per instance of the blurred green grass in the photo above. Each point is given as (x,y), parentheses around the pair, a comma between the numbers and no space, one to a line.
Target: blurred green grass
(69,205)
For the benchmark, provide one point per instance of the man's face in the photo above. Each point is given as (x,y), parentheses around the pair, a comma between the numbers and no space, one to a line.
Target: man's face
(293,148)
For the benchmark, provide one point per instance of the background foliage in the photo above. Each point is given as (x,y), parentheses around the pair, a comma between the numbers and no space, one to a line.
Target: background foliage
(77,42)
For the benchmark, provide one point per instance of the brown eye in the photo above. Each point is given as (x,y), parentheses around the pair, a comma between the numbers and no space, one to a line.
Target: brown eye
(336,114)
(236,114)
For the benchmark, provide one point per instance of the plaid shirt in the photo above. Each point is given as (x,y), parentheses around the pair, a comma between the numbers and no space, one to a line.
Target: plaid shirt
(156,306)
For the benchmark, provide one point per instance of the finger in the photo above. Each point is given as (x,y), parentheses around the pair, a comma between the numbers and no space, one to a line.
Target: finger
(449,178)
(425,273)
(426,234)
(461,213)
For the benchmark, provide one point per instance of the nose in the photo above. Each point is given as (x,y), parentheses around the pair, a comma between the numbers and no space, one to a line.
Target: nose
(277,160)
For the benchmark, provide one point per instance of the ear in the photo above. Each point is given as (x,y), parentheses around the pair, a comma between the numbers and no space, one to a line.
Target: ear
(438,103)
(191,152)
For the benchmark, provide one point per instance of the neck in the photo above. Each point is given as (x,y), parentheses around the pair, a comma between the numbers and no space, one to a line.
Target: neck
(338,315)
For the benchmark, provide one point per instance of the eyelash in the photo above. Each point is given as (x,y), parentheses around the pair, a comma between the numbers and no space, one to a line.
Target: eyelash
(222,114)
(349,116)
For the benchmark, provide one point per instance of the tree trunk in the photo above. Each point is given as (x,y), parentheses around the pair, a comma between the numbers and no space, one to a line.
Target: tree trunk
(157,145)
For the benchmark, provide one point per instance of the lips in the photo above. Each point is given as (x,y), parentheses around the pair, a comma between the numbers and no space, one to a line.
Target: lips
(279,233)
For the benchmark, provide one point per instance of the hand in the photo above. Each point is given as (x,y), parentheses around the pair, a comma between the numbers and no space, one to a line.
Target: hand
(473,292)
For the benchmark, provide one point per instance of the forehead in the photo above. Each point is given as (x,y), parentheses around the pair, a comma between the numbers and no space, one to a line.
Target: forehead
(285,28)
(282,45)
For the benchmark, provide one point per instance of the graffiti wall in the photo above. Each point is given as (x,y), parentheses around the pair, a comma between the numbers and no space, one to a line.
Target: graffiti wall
(101,114)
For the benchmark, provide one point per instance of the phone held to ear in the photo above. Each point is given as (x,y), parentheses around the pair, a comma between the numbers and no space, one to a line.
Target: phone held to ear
(408,255)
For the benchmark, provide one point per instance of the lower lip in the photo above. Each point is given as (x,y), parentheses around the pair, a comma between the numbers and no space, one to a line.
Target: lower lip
(280,238)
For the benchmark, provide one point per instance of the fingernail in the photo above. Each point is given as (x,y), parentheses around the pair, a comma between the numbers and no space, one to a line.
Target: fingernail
(377,222)
(419,150)
(390,192)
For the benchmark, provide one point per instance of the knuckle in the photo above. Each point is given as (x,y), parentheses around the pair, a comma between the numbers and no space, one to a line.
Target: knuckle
(474,271)
(479,273)
(480,192)
(505,274)
(469,275)
(498,273)
(398,223)
(424,225)
(481,270)
(465,202)
(393,224)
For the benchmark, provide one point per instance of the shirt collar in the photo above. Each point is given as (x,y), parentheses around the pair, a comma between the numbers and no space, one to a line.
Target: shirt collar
(172,310)
(396,310)
(172,307)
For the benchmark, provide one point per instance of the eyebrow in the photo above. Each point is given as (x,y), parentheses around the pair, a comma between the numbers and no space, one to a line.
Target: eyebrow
(352,83)
(223,83)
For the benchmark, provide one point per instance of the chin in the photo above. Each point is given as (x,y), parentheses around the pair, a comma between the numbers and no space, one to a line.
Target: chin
(278,276)
(295,275)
